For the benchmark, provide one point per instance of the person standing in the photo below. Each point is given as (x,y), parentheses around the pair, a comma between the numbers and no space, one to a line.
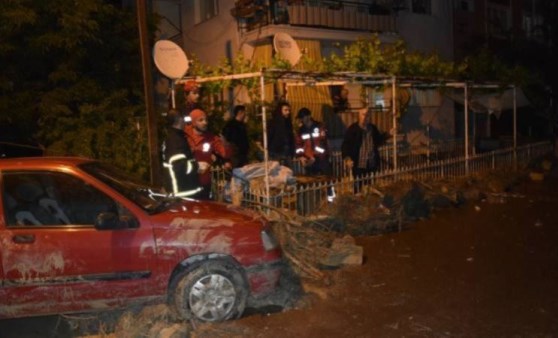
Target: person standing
(207,148)
(191,98)
(360,146)
(312,148)
(280,135)
(341,101)
(236,135)
(311,145)
(182,179)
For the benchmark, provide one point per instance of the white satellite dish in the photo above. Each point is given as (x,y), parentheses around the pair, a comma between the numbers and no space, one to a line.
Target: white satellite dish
(286,47)
(170,59)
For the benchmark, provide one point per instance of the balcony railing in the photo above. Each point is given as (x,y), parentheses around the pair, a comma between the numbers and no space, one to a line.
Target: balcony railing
(340,15)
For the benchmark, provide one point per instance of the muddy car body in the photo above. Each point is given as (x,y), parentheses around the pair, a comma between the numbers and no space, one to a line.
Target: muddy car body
(77,236)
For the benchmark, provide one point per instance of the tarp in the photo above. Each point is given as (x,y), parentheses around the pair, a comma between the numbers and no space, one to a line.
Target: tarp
(492,103)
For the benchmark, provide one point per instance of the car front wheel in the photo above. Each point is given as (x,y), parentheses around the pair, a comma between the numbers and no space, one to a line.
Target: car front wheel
(212,291)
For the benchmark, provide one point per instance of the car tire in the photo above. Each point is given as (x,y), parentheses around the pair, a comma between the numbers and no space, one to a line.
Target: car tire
(211,291)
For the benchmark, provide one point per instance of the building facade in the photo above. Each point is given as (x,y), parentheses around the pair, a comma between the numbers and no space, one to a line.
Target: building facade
(216,29)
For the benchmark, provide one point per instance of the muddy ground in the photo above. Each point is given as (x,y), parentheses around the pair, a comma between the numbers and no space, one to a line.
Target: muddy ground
(485,269)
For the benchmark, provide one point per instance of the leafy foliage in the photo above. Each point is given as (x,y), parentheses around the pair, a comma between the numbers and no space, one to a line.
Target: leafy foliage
(72,77)
(372,57)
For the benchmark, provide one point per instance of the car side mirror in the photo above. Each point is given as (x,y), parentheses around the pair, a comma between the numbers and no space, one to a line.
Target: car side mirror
(111,221)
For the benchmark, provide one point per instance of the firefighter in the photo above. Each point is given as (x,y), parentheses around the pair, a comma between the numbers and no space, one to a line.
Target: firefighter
(182,179)
(312,147)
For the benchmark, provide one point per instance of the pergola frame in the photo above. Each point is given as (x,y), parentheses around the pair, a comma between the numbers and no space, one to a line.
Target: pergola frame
(301,78)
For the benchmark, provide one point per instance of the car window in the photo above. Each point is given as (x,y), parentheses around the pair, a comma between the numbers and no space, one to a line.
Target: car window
(53,199)
(140,193)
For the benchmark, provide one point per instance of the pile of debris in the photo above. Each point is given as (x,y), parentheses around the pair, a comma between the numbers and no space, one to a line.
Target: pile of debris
(315,246)
(389,208)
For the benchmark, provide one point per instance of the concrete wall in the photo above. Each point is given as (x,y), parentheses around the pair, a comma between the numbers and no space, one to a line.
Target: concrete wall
(429,33)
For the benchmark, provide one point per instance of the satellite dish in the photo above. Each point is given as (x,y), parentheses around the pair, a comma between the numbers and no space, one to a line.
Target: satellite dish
(170,59)
(286,47)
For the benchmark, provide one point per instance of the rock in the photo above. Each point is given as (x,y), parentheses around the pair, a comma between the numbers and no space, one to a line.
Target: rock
(319,291)
(343,251)
(415,205)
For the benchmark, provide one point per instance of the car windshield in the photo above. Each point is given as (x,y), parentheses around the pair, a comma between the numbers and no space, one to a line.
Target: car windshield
(150,199)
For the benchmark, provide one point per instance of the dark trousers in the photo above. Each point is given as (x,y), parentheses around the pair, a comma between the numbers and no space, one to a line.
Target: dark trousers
(321,166)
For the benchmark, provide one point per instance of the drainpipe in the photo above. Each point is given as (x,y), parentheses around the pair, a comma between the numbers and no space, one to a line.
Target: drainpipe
(466,117)
(264,127)
(515,127)
(152,136)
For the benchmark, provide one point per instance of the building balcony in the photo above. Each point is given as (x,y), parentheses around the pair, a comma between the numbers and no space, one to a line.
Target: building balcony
(336,15)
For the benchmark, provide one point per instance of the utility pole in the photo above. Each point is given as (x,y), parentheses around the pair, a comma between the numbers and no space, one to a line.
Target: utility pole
(155,172)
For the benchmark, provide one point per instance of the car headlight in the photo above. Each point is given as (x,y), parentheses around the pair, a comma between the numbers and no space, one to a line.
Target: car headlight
(269,241)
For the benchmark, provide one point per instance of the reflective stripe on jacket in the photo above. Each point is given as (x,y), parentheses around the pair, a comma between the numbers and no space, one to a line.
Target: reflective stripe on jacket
(311,142)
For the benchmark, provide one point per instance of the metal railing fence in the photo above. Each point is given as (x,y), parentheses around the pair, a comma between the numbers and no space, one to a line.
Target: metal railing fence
(308,198)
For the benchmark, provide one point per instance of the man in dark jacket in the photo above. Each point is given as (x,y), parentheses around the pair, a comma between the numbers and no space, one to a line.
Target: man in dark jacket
(280,135)
(182,179)
(360,146)
(236,135)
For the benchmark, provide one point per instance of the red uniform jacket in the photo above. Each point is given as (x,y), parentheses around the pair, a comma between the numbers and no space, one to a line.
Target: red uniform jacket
(311,142)
(206,147)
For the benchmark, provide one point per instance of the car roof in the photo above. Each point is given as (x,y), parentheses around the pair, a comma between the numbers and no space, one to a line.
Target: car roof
(41,162)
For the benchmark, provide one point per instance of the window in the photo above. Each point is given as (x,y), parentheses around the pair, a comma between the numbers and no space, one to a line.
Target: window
(499,19)
(532,19)
(378,100)
(39,198)
(206,9)
(421,6)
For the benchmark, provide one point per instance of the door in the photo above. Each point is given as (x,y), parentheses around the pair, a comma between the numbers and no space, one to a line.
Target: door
(53,258)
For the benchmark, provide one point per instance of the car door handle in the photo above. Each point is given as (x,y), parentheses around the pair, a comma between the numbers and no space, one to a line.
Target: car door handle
(24,239)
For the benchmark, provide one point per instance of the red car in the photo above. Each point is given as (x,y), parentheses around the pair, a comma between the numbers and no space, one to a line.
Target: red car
(76,235)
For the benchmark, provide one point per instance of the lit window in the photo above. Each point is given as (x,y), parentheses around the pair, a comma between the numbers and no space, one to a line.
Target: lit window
(206,9)
(499,19)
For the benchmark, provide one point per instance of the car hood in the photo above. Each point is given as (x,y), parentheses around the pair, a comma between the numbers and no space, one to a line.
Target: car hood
(205,215)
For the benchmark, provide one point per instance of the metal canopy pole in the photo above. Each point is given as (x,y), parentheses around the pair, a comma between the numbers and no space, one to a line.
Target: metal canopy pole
(515,127)
(173,98)
(514,118)
(264,127)
(394,121)
(466,103)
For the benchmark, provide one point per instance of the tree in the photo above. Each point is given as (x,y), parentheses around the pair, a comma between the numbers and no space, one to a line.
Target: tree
(71,77)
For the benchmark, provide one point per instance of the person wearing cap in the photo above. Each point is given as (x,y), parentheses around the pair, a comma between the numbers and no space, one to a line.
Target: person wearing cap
(236,135)
(311,144)
(312,147)
(182,179)
(191,98)
(207,148)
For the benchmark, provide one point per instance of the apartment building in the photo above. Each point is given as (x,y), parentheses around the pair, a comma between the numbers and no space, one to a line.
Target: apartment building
(217,29)
(494,23)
